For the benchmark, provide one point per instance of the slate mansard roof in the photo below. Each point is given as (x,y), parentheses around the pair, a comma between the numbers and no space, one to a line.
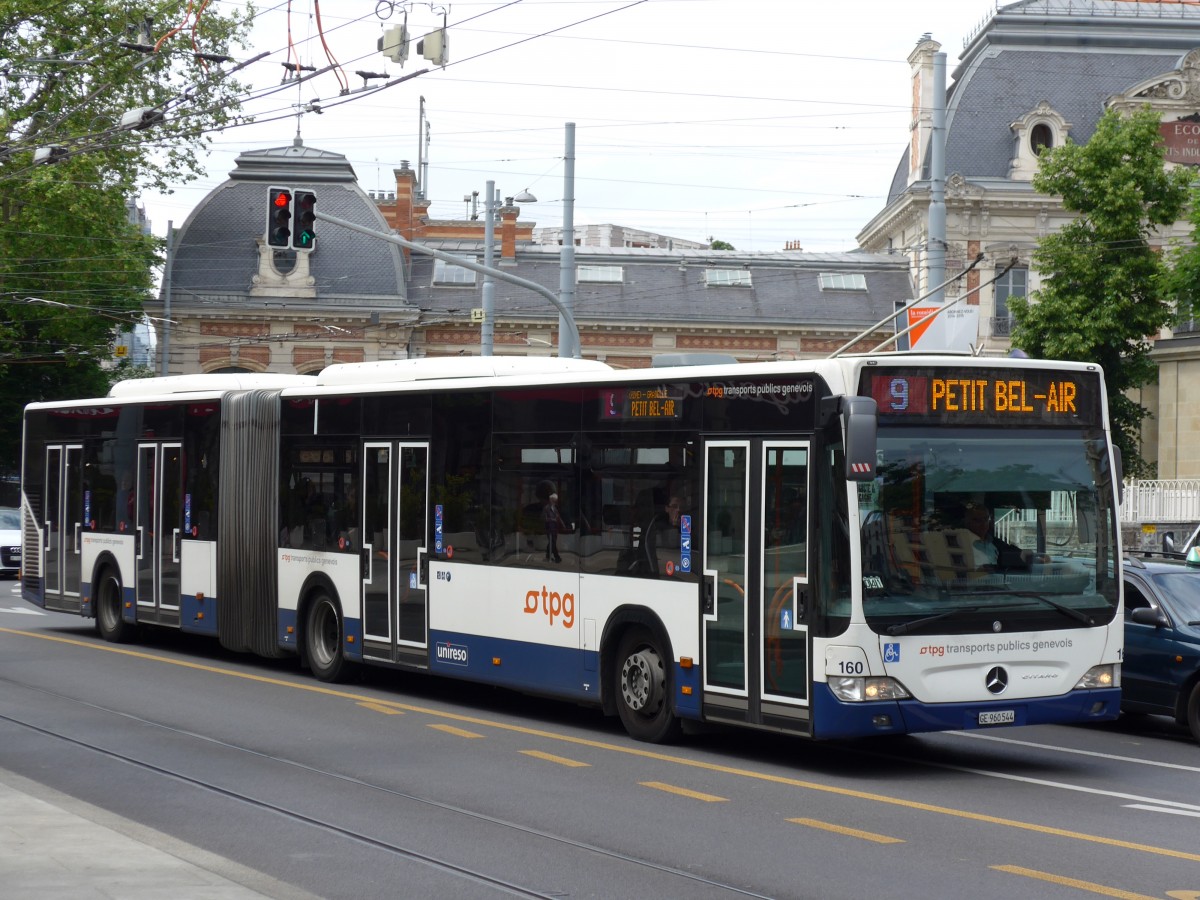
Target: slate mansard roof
(672,289)
(1072,54)
(214,256)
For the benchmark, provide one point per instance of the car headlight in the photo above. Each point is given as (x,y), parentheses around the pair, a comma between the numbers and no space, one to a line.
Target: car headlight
(1098,677)
(862,690)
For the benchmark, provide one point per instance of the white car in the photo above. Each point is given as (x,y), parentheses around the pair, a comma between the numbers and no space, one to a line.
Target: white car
(10,540)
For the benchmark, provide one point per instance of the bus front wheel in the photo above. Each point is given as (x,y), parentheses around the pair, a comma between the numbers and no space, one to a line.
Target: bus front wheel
(642,685)
(109,602)
(323,639)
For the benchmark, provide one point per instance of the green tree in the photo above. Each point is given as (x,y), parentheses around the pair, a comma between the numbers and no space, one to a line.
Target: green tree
(1103,295)
(720,245)
(74,270)
(1183,279)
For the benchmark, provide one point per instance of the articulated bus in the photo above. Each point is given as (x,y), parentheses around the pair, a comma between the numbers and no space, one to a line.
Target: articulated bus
(785,546)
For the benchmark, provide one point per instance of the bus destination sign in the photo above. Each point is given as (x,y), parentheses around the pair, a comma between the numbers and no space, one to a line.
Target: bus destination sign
(985,396)
(638,403)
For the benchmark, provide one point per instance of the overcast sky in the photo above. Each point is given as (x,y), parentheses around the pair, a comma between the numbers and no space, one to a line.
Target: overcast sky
(756,122)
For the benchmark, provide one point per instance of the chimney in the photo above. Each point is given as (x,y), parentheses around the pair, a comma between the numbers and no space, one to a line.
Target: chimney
(920,63)
(406,180)
(508,230)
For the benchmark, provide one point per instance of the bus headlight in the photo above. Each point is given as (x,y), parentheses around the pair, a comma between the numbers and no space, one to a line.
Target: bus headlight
(860,690)
(1098,677)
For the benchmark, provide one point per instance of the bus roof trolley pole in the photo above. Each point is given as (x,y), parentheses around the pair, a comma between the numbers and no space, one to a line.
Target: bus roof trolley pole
(859,424)
(568,318)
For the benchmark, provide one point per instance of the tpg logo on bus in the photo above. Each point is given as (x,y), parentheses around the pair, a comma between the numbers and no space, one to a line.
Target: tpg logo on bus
(552,605)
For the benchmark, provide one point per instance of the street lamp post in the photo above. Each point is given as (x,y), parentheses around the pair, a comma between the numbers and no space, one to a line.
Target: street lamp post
(491,205)
(568,339)
(487,331)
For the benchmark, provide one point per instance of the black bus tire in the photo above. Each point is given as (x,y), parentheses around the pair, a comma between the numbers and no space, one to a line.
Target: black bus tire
(110,603)
(642,688)
(323,638)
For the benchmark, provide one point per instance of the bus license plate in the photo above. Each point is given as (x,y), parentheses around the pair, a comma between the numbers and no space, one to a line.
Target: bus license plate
(999,717)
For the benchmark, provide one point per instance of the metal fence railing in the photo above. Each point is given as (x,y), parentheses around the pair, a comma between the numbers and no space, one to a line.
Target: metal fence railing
(1161,500)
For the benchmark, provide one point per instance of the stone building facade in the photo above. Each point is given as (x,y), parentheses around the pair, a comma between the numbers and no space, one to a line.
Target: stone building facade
(235,304)
(1036,73)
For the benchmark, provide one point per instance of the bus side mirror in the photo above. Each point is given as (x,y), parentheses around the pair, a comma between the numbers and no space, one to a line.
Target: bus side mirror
(859,424)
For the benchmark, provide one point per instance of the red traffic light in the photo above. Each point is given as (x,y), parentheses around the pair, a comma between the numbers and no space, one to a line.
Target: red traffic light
(279,216)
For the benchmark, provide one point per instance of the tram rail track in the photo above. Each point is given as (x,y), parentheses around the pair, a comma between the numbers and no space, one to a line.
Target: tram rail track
(459,871)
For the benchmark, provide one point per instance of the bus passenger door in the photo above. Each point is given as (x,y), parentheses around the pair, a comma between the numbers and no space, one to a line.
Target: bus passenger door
(784,576)
(413,596)
(394,504)
(726,613)
(376,503)
(756,666)
(63,523)
(158,525)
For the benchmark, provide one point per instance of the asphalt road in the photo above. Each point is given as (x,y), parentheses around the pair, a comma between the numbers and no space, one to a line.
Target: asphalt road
(405,786)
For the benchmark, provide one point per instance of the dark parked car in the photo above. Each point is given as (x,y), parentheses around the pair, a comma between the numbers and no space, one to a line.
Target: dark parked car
(1161,671)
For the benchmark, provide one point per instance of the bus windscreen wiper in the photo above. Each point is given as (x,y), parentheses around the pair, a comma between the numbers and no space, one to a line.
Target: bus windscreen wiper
(906,627)
(1068,611)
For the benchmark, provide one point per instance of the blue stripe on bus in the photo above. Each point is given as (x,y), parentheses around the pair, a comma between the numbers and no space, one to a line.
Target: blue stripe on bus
(286,619)
(198,616)
(559,671)
(287,634)
(562,671)
(352,646)
(834,719)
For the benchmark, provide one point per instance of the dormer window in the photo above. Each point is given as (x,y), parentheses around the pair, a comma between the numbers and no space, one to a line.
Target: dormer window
(1037,131)
(1041,138)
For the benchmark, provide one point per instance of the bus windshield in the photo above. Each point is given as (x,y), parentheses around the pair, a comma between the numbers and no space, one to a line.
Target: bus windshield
(978,531)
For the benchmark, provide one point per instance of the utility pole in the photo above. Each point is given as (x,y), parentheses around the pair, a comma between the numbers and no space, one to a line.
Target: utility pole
(164,343)
(568,341)
(488,329)
(571,330)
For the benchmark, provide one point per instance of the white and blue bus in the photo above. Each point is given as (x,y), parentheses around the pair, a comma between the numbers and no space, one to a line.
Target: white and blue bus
(785,546)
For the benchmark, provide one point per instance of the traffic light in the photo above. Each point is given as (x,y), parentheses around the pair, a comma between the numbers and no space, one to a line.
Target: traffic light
(394,44)
(304,236)
(435,47)
(279,217)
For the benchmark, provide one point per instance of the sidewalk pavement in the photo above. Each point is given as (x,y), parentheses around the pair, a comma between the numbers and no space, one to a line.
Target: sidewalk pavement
(54,847)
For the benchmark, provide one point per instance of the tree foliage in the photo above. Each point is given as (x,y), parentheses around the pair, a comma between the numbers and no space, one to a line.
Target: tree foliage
(720,245)
(1103,295)
(74,269)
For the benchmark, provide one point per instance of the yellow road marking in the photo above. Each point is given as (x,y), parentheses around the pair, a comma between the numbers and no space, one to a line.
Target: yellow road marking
(450,729)
(380,708)
(683,792)
(634,751)
(852,832)
(1073,882)
(550,757)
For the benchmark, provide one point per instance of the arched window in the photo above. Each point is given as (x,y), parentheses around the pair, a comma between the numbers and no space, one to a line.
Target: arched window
(1041,138)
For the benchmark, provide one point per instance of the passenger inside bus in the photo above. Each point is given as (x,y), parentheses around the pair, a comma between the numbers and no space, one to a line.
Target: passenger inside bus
(991,552)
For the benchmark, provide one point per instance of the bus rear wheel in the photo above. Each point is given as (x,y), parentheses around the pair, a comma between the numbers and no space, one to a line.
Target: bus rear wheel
(642,689)
(109,603)
(323,639)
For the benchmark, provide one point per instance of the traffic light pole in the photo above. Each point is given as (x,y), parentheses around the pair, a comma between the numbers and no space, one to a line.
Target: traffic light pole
(566,317)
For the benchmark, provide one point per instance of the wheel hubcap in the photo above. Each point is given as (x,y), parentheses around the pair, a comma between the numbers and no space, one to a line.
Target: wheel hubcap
(326,632)
(642,681)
